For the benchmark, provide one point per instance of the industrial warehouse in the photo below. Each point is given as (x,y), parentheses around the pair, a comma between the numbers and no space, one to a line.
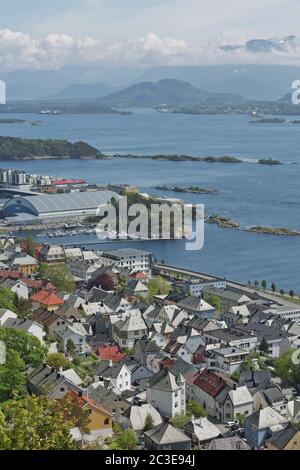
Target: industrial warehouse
(44,208)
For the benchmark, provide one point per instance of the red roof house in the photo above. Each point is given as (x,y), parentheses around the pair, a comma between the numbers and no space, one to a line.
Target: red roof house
(110,353)
(47,299)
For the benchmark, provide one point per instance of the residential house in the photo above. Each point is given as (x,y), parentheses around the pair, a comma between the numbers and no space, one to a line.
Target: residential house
(117,376)
(278,341)
(261,425)
(286,439)
(229,443)
(46,299)
(72,332)
(52,254)
(6,314)
(201,431)
(166,437)
(45,380)
(197,306)
(111,401)
(130,328)
(273,397)
(100,419)
(137,415)
(166,392)
(232,337)
(135,260)
(18,287)
(30,326)
(110,353)
(136,287)
(226,360)
(238,403)
(25,265)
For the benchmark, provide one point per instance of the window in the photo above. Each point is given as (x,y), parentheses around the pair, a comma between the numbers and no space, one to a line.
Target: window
(106,422)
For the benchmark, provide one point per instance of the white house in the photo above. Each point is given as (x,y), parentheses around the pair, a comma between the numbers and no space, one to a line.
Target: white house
(166,392)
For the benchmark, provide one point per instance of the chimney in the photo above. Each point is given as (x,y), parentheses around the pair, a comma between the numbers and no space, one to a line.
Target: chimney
(234,386)
(110,363)
(60,370)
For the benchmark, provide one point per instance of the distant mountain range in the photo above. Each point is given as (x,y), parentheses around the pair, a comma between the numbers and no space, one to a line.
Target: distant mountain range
(252,81)
(265,46)
(166,92)
(83,92)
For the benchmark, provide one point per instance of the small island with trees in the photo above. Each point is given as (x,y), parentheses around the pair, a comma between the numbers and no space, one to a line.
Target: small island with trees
(190,189)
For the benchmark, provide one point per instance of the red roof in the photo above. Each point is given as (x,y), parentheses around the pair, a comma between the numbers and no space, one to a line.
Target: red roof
(138,275)
(38,284)
(110,353)
(68,181)
(210,383)
(47,297)
(4,274)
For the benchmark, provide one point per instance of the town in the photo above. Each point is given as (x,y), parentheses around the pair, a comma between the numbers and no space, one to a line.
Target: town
(117,350)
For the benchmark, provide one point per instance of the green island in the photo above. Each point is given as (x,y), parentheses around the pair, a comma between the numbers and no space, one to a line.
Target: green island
(13,148)
(190,189)
(269,161)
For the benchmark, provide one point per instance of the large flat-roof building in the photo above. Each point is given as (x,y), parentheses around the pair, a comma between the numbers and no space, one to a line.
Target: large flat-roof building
(55,206)
(131,258)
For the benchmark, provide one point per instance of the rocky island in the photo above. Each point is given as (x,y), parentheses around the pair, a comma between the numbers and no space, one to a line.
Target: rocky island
(190,189)
(273,231)
(221,221)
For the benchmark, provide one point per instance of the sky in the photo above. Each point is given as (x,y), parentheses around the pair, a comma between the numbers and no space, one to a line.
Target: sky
(50,34)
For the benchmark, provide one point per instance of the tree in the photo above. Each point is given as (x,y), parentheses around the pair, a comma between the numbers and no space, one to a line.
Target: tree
(291,293)
(12,376)
(264,284)
(33,424)
(158,286)
(59,275)
(195,409)
(73,413)
(70,348)
(282,292)
(273,287)
(58,360)
(256,283)
(28,346)
(8,300)
(264,347)
(149,423)
(214,300)
(283,365)
(250,363)
(180,420)
(30,246)
(125,440)
(241,419)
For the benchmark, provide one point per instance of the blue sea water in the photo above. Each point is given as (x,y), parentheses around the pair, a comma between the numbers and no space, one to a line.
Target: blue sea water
(249,193)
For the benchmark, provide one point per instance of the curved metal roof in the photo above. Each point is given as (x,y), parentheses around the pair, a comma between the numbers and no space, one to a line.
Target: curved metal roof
(66,201)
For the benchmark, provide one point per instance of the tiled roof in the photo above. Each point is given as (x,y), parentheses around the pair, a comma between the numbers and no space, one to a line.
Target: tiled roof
(112,353)
(210,383)
(46,297)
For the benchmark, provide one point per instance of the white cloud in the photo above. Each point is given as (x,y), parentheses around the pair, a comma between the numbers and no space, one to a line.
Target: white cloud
(22,51)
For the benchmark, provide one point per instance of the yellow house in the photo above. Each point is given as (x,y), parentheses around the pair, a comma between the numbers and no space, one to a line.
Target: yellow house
(100,424)
(286,439)
(26,265)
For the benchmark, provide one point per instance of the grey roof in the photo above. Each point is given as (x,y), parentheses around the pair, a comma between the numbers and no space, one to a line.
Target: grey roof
(229,443)
(166,380)
(165,433)
(281,438)
(107,398)
(64,202)
(273,393)
(262,331)
(108,371)
(180,366)
(256,378)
